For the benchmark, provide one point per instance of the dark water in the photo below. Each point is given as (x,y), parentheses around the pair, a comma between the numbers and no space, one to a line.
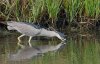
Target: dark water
(80,48)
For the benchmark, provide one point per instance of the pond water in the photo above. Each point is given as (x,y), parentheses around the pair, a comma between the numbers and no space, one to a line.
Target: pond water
(79,49)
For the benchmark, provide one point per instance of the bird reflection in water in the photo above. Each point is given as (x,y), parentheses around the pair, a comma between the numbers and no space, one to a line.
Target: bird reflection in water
(31,52)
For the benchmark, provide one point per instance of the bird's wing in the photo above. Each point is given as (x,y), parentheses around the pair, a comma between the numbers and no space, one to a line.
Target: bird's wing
(30,24)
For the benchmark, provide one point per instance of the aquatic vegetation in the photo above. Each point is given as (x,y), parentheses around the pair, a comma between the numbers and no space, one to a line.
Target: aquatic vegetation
(72,8)
(34,10)
(92,8)
(37,7)
(53,7)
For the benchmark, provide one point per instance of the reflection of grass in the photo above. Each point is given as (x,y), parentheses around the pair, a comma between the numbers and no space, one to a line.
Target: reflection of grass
(50,58)
(74,53)
(91,54)
(88,53)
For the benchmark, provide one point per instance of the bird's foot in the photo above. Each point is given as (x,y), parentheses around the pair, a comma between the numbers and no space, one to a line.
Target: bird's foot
(22,46)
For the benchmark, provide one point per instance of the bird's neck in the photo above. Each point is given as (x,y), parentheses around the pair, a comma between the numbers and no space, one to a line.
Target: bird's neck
(57,35)
(45,32)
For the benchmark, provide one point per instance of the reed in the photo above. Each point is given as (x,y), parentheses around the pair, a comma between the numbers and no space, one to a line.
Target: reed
(36,7)
(6,10)
(92,8)
(33,10)
(53,8)
(72,8)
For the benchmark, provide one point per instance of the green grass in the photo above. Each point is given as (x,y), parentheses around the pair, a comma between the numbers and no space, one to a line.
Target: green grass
(72,8)
(92,8)
(53,7)
(37,8)
(33,10)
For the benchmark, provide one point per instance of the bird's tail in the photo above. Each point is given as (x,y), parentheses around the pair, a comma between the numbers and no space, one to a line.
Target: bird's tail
(7,23)
(3,22)
(10,28)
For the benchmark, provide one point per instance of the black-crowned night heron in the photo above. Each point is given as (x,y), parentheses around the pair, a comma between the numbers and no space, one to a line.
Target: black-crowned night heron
(31,30)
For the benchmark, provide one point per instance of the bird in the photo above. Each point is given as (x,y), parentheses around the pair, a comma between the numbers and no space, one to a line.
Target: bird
(31,30)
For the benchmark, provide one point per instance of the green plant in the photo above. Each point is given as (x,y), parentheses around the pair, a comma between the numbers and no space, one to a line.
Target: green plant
(7,9)
(53,8)
(72,8)
(36,8)
(92,8)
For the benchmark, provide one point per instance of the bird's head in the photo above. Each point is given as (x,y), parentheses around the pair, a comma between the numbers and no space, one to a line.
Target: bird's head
(60,35)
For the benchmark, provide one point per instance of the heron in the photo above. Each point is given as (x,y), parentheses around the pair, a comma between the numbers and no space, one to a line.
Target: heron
(31,30)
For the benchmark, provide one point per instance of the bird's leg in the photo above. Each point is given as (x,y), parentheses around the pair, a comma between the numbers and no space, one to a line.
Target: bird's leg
(29,41)
(19,38)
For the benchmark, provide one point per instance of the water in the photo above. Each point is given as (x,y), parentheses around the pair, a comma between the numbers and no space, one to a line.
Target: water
(79,49)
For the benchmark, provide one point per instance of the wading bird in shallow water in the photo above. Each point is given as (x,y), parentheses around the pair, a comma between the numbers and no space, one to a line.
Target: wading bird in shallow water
(31,30)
